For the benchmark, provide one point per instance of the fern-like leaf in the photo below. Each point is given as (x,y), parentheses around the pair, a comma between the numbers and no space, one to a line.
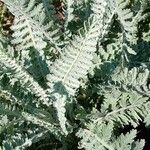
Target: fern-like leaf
(20,74)
(28,26)
(76,58)
(99,137)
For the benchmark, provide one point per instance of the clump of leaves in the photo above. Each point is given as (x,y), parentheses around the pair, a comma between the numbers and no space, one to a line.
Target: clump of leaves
(72,73)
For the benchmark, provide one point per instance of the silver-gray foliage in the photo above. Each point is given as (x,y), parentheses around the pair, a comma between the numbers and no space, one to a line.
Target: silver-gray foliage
(78,78)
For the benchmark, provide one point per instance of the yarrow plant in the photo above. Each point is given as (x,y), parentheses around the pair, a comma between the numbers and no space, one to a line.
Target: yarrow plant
(73,82)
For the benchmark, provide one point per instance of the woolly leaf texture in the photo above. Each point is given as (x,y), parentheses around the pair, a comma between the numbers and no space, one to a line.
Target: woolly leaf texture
(71,82)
